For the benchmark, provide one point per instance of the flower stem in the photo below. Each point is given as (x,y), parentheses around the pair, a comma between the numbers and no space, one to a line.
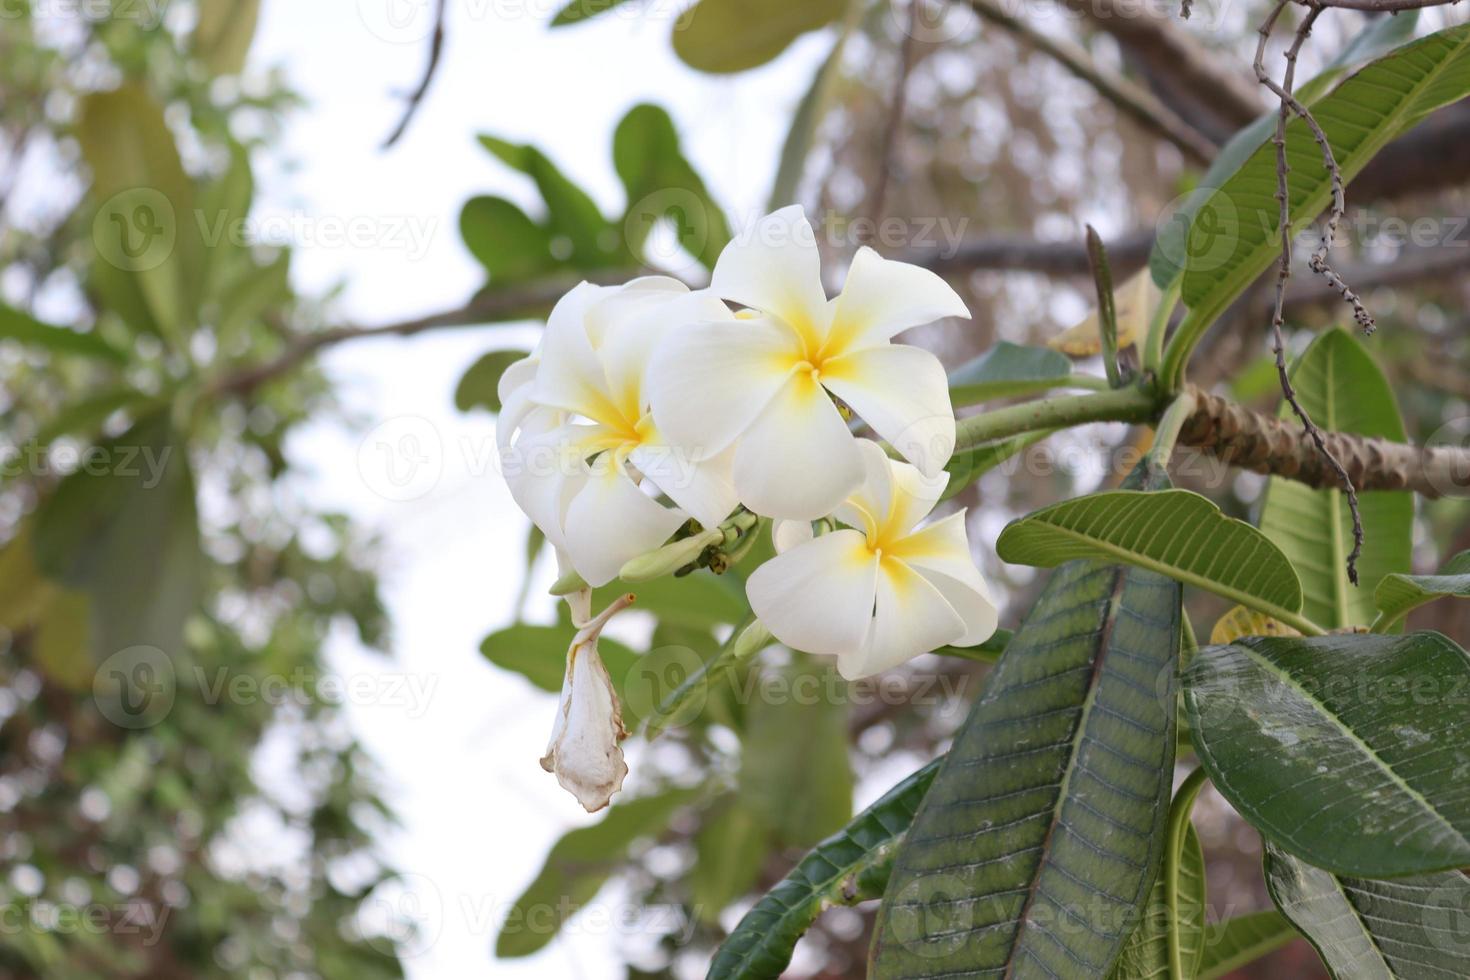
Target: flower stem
(1060,411)
(1166,433)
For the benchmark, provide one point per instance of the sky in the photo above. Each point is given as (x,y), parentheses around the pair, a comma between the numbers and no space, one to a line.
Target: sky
(456,739)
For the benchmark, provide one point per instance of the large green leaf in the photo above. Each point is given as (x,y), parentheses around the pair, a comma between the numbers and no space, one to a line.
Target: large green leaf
(969,465)
(223,34)
(579,233)
(27,330)
(1346,750)
(1035,847)
(1166,260)
(663,185)
(479,386)
(508,244)
(1235,942)
(730,852)
(577,867)
(849,867)
(1174,532)
(1397,595)
(803,796)
(1405,929)
(577,11)
(539,654)
(1239,240)
(144,227)
(1174,915)
(124,530)
(1008,369)
(701,600)
(1343,390)
(733,35)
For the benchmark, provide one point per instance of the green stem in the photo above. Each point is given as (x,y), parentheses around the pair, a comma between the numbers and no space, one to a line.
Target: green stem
(1178,821)
(1181,345)
(1153,345)
(1166,433)
(1057,412)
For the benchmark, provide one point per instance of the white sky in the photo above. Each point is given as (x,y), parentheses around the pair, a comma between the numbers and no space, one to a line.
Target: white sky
(457,739)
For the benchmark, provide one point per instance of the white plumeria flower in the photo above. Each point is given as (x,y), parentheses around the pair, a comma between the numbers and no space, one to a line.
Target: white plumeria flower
(580,441)
(882,591)
(765,378)
(584,752)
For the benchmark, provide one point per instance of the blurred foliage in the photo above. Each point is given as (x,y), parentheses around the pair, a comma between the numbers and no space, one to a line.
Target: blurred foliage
(162,604)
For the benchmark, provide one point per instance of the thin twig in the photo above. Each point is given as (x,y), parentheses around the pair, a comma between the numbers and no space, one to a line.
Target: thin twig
(888,149)
(1136,102)
(436,50)
(1290,105)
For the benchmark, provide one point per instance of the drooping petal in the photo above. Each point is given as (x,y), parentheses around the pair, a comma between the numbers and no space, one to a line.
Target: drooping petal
(798,460)
(705,488)
(903,393)
(628,343)
(883,297)
(775,267)
(911,617)
(584,752)
(707,383)
(941,553)
(611,520)
(818,596)
(570,375)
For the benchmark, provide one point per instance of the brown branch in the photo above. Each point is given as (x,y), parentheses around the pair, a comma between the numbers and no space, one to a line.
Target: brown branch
(888,149)
(1265,444)
(1018,253)
(436,51)
(1132,100)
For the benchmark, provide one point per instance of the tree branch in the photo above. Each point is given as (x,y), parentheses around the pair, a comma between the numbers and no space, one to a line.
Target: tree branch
(1265,444)
(436,50)
(1135,102)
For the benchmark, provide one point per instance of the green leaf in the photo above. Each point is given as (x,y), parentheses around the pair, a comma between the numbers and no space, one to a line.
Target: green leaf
(224,32)
(702,600)
(1008,369)
(577,11)
(26,329)
(1346,750)
(1235,942)
(1035,847)
(1166,260)
(731,850)
(663,185)
(987,652)
(577,867)
(967,466)
(508,244)
(539,654)
(1397,594)
(580,235)
(1343,390)
(803,796)
(1173,532)
(123,529)
(478,388)
(733,35)
(144,225)
(1239,240)
(1405,929)
(849,867)
(224,205)
(1174,913)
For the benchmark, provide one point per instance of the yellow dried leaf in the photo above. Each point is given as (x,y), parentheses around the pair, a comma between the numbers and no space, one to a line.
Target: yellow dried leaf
(1241,621)
(1136,301)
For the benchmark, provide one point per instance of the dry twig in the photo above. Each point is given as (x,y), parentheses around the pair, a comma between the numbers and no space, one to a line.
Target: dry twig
(436,50)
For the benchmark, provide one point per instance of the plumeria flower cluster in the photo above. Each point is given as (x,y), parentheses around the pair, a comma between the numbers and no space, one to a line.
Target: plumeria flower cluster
(647,405)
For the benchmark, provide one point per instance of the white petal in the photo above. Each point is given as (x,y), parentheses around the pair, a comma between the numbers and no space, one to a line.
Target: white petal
(775,267)
(611,520)
(882,297)
(817,597)
(786,535)
(902,392)
(570,375)
(517,375)
(706,489)
(867,507)
(708,382)
(629,342)
(584,751)
(628,300)
(544,471)
(911,618)
(914,496)
(941,553)
(798,460)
